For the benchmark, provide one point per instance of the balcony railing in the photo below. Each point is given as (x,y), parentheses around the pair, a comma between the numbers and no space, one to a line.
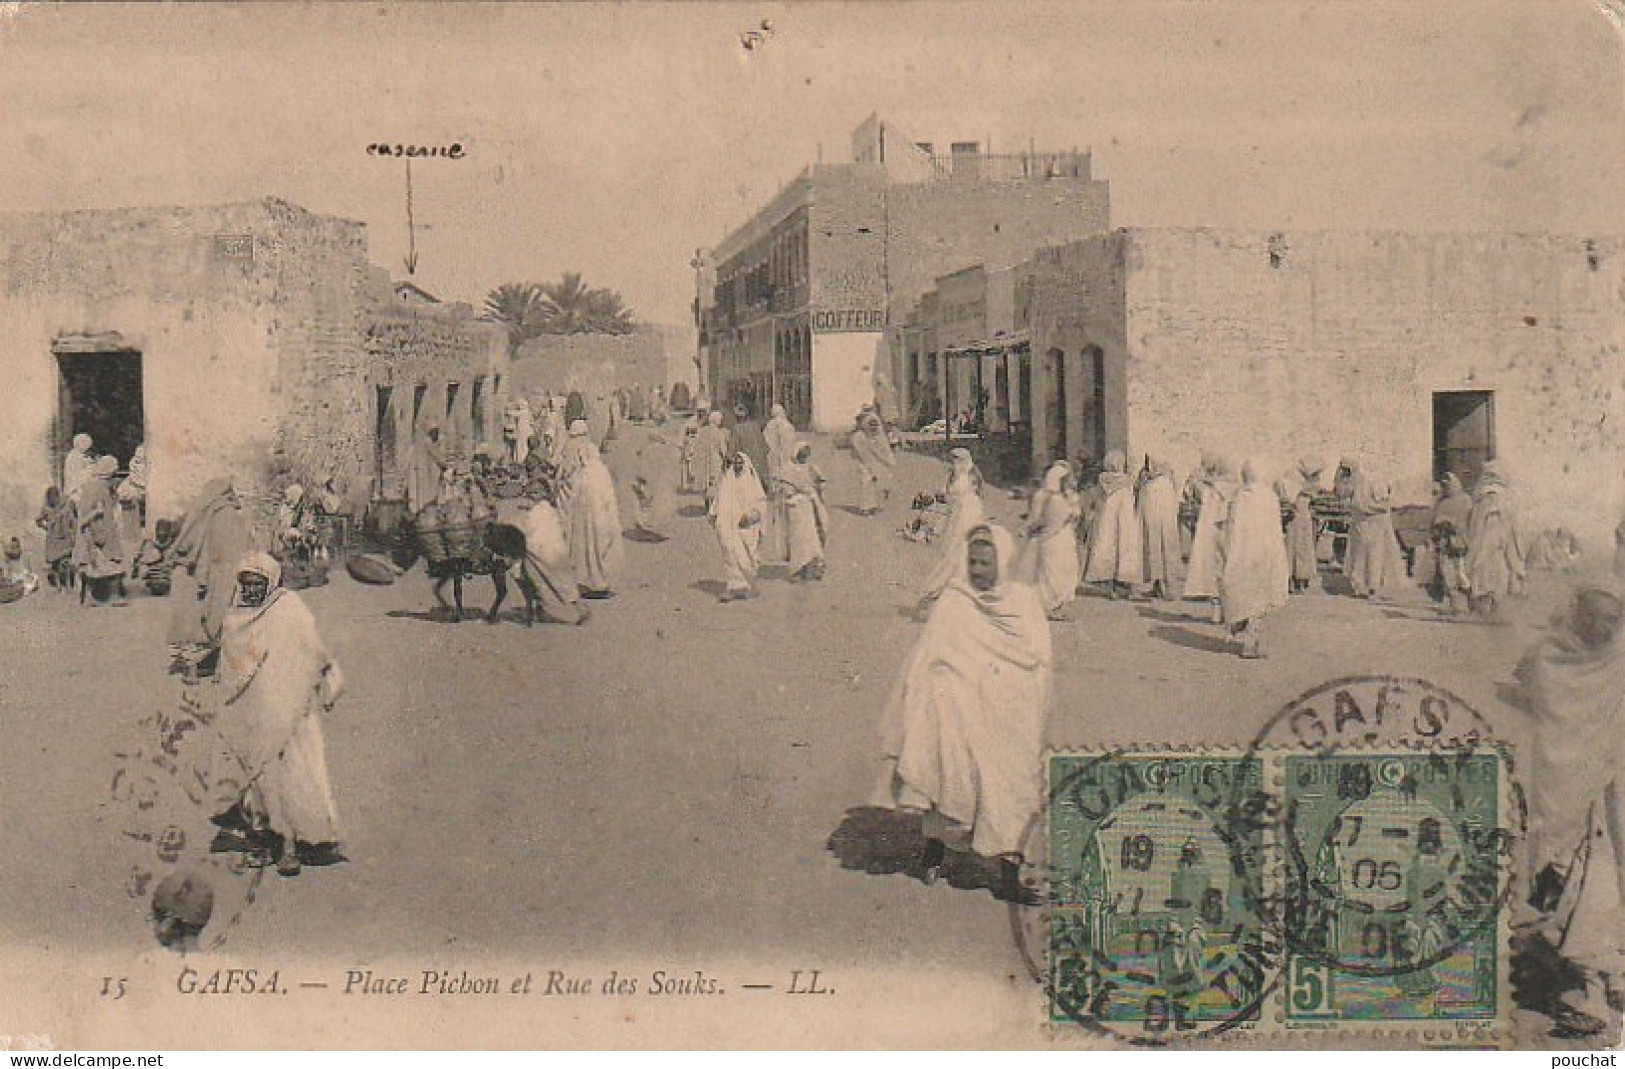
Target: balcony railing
(1011,167)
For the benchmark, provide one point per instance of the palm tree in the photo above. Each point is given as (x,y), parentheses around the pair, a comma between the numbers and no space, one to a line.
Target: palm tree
(608,313)
(523,307)
(579,309)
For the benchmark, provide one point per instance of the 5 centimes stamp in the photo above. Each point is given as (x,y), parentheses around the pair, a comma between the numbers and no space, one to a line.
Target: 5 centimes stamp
(1396,816)
(1393,886)
(1154,933)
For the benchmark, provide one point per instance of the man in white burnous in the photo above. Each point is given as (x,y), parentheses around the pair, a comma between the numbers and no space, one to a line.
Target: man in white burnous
(963,733)
(1573,684)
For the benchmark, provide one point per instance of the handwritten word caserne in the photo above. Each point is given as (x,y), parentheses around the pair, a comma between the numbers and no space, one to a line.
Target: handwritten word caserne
(453,151)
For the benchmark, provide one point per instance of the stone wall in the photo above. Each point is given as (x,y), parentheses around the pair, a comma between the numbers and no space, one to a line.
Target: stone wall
(459,363)
(1071,302)
(244,318)
(943,226)
(846,225)
(594,364)
(323,406)
(1293,344)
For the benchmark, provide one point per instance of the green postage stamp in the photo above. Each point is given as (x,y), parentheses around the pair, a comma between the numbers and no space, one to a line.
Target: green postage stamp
(1356,889)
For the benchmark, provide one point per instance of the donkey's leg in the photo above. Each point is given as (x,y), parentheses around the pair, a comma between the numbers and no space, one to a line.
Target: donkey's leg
(499,580)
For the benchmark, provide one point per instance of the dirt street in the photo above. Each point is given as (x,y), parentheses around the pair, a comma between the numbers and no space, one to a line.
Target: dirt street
(670,782)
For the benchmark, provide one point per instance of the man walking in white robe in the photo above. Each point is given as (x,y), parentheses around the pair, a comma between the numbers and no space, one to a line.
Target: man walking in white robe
(963,733)
(1115,556)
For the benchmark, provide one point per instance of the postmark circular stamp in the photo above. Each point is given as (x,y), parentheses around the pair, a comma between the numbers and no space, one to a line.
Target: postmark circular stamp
(1148,931)
(184,876)
(1350,867)
(1394,817)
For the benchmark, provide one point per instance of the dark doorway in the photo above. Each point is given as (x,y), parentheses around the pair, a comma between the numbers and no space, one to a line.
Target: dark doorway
(100,394)
(1001,393)
(1463,433)
(1024,388)
(1055,403)
(451,432)
(418,393)
(384,456)
(1095,402)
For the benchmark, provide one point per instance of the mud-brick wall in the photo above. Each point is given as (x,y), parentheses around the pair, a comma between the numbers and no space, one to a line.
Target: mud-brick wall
(1071,300)
(846,231)
(432,346)
(211,297)
(595,365)
(1326,344)
(846,225)
(943,226)
(321,274)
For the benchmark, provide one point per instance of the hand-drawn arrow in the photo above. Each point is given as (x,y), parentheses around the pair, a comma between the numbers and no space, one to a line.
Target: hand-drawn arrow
(411,229)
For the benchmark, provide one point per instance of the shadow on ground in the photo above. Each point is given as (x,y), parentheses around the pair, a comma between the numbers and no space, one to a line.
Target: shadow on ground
(885,842)
(1193,640)
(1421,617)
(639,534)
(427,616)
(1152,612)
(1541,976)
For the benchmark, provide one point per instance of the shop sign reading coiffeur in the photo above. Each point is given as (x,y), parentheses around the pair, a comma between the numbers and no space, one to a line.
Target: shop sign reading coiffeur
(838,320)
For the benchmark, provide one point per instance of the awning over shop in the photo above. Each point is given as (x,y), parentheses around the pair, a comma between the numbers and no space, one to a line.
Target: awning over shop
(999,345)
(998,407)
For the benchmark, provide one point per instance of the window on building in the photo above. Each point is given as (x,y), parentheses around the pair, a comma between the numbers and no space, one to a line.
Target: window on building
(477,409)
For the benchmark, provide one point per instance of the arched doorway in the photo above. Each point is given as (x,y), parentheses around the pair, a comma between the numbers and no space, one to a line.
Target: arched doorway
(1055,402)
(1092,436)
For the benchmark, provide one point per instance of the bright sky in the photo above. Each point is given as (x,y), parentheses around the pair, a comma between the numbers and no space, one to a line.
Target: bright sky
(614,139)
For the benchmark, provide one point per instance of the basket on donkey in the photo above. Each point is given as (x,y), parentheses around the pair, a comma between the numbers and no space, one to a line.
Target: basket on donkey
(429,528)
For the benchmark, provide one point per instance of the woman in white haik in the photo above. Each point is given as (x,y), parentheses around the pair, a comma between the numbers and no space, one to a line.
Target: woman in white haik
(738,511)
(277,680)
(591,515)
(963,732)
(1053,527)
(1256,574)
(1216,486)
(1573,690)
(966,512)
(1115,555)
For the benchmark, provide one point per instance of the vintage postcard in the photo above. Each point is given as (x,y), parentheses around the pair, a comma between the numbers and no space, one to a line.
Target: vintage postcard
(1029,525)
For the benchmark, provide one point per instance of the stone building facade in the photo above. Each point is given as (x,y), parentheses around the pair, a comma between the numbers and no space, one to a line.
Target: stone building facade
(428,362)
(799,304)
(595,365)
(242,339)
(961,353)
(1417,353)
